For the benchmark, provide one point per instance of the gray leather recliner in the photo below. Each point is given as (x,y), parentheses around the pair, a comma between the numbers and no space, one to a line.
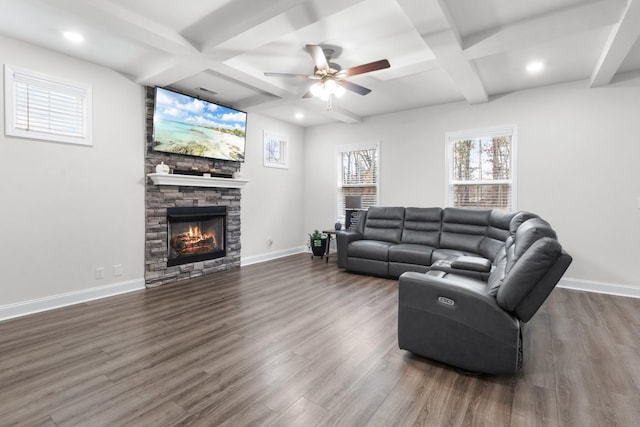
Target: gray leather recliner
(455,316)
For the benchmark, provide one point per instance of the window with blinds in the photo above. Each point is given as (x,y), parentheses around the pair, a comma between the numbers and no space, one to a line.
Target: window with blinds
(358,176)
(481,169)
(44,107)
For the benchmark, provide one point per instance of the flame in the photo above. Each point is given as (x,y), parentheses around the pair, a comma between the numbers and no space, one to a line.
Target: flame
(192,240)
(194,232)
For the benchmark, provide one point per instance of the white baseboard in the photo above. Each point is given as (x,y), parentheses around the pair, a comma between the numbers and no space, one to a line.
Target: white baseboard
(62,300)
(271,255)
(600,287)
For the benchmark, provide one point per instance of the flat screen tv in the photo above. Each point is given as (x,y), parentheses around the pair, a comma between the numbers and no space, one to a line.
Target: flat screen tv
(191,126)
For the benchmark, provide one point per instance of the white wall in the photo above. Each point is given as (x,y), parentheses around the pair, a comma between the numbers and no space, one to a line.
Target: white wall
(272,200)
(577,166)
(68,209)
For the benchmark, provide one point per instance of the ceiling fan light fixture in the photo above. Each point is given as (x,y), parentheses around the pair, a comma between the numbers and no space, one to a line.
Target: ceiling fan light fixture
(317,89)
(324,89)
(339,91)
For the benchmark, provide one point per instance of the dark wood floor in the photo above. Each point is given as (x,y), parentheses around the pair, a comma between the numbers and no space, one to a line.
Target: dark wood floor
(296,342)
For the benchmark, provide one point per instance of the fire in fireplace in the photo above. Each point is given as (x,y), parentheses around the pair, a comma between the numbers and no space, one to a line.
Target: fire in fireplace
(196,234)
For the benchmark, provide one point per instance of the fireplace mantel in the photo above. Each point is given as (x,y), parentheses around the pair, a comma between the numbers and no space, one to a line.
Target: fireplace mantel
(195,180)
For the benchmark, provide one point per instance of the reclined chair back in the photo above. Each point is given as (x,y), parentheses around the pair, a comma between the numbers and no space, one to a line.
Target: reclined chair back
(528,268)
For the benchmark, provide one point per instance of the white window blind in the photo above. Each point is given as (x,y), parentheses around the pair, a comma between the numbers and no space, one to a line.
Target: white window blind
(481,168)
(44,107)
(358,176)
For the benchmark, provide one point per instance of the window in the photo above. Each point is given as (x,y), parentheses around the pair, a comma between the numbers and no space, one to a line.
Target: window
(357,175)
(481,168)
(276,150)
(44,107)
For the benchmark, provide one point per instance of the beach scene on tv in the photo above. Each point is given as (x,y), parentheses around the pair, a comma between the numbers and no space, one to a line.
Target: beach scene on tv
(191,126)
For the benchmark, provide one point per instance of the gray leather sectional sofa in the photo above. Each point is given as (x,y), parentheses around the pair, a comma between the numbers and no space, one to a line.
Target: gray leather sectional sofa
(469,279)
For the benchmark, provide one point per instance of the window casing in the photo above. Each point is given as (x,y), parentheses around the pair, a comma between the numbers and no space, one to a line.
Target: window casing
(44,107)
(358,175)
(481,168)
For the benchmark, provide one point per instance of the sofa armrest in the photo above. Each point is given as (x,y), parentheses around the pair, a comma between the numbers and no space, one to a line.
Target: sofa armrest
(479,268)
(472,263)
(343,238)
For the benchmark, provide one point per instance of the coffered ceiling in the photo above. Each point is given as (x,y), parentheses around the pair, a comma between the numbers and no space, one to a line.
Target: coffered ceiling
(440,50)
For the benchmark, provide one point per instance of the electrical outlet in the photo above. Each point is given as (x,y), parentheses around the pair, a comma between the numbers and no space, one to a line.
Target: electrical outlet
(99,273)
(117,270)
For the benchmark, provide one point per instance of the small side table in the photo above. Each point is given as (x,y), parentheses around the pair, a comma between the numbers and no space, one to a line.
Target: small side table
(330,234)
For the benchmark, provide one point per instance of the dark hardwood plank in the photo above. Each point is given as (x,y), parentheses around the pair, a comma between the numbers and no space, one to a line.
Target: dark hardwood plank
(298,342)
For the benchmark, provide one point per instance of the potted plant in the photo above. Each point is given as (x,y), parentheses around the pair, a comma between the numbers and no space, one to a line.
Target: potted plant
(318,243)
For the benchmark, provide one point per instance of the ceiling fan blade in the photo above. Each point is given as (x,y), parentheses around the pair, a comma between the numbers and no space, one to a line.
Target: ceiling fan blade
(308,94)
(317,54)
(367,68)
(304,76)
(361,90)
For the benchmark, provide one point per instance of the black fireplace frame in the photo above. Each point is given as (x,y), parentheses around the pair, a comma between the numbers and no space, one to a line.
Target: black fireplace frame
(196,213)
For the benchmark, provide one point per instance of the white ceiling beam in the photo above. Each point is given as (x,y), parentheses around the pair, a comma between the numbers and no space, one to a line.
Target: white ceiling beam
(621,40)
(233,19)
(169,70)
(127,24)
(246,79)
(406,68)
(446,45)
(462,71)
(271,21)
(432,20)
(540,29)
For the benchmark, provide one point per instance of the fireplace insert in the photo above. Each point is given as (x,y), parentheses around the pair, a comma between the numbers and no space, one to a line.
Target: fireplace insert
(196,234)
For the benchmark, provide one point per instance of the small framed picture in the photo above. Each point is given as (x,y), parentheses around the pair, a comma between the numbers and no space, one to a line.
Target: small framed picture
(276,150)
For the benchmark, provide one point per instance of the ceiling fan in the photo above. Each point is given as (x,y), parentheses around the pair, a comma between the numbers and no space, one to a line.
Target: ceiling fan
(331,77)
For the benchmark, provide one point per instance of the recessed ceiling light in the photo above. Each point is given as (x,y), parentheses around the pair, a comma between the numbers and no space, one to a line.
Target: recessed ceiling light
(534,67)
(299,116)
(73,36)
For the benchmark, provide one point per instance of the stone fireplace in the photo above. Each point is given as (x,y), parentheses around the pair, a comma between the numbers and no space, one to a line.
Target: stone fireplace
(175,197)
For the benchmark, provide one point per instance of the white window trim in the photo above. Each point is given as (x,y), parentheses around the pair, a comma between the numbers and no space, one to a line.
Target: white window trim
(9,97)
(356,147)
(451,137)
(284,139)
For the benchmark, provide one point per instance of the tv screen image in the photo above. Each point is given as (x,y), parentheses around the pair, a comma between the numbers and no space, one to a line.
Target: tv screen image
(191,126)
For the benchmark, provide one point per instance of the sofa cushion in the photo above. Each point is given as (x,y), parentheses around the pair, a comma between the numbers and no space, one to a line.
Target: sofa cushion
(496,234)
(463,229)
(526,235)
(422,226)
(384,224)
(370,249)
(409,253)
(525,274)
(520,218)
